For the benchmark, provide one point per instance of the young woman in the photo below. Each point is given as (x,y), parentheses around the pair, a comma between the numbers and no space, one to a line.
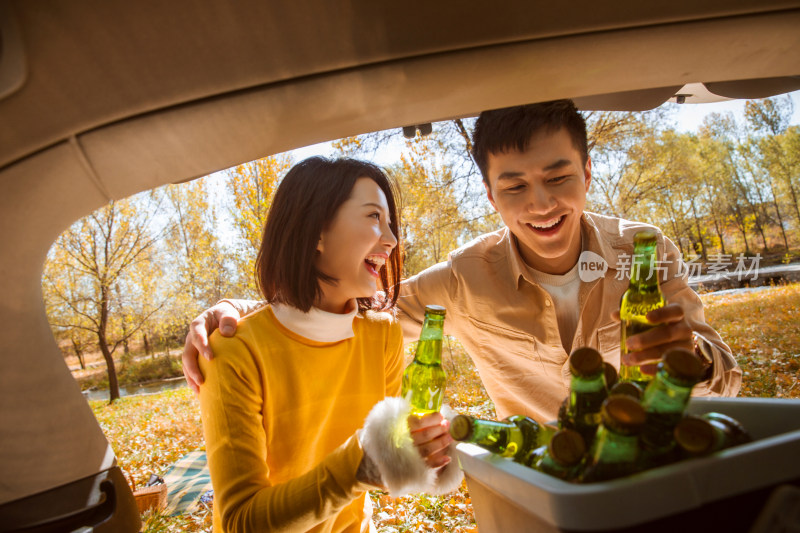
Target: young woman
(285,400)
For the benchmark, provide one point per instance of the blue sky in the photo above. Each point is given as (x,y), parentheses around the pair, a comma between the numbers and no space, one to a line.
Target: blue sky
(690,116)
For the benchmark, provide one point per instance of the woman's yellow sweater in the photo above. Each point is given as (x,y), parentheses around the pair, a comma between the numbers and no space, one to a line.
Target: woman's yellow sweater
(280,413)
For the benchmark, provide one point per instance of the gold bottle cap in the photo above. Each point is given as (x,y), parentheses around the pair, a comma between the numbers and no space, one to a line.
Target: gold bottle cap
(735,430)
(684,365)
(694,435)
(623,414)
(567,447)
(435,310)
(585,361)
(644,236)
(612,377)
(460,427)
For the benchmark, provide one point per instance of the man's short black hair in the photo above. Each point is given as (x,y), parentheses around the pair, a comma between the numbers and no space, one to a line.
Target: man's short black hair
(511,128)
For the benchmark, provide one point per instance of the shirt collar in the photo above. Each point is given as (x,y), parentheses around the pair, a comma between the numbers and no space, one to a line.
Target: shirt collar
(316,324)
(608,247)
(591,242)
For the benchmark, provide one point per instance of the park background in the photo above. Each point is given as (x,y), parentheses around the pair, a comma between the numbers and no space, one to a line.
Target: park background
(120,286)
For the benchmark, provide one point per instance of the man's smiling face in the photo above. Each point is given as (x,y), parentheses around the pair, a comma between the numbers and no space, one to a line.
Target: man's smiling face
(540,194)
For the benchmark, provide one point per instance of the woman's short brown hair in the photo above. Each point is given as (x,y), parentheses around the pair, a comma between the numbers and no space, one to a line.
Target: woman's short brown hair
(304,204)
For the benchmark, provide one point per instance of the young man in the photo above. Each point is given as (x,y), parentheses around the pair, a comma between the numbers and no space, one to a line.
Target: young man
(515,298)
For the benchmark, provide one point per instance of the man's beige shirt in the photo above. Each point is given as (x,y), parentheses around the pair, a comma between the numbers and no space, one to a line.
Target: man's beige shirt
(508,325)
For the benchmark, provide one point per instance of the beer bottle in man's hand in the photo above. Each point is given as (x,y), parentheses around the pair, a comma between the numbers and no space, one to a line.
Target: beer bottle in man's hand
(643,295)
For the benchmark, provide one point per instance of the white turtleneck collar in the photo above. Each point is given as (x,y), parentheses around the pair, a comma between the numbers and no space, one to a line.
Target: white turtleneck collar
(316,325)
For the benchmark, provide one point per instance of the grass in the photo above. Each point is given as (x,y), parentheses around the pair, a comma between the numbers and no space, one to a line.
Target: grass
(131,370)
(763,330)
(148,433)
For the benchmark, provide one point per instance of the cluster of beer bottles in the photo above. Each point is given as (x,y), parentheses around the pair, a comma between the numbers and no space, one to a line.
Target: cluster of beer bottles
(607,428)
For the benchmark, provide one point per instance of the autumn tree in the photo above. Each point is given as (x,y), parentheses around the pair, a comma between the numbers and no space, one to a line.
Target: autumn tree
(622,146)
(432,224)
(199,272)
(88,267)
(769,120)
(251,187)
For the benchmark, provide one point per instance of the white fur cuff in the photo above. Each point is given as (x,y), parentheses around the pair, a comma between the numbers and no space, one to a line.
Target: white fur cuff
(387,441)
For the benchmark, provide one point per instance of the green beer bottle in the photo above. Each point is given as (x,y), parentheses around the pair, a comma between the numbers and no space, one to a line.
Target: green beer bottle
(562,457)
(701,435)
(514,437)
(615,451)
(587,392)
(665,399)
(424,378)
(643,295)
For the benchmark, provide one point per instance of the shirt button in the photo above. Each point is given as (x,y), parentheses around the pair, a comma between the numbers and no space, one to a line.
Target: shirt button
(547,303)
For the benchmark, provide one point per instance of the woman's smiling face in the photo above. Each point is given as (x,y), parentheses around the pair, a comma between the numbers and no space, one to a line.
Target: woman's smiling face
(354,247)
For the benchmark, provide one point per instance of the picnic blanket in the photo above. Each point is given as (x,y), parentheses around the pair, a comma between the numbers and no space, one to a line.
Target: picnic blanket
(188,481)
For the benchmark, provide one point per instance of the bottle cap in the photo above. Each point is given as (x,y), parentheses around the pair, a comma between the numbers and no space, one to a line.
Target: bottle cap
(644,236)
(612,377)
(623,414)
(683,365)
(585,362)
(735,430)
(694,435)
(434,310)
(460,427)
(567,447)
(627,388)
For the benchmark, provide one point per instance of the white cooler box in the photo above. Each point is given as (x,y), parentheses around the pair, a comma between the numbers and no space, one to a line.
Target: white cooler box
(754,488)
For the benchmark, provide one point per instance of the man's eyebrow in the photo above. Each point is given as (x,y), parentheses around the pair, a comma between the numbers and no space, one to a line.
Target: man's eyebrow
(511,174)
(558,164)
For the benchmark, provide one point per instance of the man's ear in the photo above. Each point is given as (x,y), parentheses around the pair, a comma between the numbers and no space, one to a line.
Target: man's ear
(587,171)
(489,194)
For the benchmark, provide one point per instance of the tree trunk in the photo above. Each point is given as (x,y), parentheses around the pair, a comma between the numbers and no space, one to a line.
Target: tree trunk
(699,232)
(794,198)
(113,384)
(125,348)
(754,208)
(780,218)
(760,229)
(742,225)
(79,353)
(719,234)
(147,349)
(786,172)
